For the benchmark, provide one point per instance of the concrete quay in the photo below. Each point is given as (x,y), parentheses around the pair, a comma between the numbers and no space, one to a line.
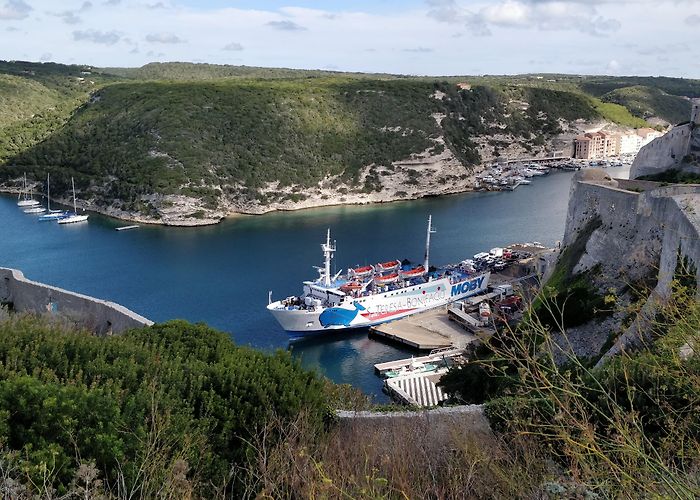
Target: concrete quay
(425,331)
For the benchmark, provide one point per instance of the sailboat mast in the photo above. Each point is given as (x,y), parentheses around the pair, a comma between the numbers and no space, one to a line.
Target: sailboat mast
(426,263)
(75,206)
(48,193)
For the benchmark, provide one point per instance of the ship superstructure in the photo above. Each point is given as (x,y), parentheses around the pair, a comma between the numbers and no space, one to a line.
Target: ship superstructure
(369,295)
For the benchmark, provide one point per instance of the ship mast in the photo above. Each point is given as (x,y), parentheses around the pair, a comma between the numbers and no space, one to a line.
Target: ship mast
(426,264)
(328,250)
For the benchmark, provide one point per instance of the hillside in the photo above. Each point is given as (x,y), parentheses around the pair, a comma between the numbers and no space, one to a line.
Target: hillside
(182,143)
(648,102)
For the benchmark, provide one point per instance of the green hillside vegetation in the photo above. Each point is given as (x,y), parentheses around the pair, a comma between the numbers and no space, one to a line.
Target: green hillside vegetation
(645,102)
(202,71)
(601,85)
(168,408)
(160,136)
(36,99)
(205,130)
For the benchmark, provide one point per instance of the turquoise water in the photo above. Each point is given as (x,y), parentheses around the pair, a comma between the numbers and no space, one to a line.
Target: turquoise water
(221,274)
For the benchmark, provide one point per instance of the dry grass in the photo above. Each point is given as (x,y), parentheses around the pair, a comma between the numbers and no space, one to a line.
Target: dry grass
(402,458)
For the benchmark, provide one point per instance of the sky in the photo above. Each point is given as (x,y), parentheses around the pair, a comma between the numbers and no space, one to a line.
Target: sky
(416,37)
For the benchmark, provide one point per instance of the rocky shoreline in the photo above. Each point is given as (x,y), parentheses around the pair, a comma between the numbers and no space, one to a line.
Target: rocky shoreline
(178,221)
(421,175)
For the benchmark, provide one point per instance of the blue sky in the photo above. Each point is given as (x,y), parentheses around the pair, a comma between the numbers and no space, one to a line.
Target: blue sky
(420,37)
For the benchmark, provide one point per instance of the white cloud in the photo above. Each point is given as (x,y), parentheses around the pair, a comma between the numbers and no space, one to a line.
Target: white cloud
(693,20)
(419,50)
(286,25)
(613,67)
(233,47)
(164,38)
(560,15)
(95,36)
(14,10)
(68,17)
(528,36)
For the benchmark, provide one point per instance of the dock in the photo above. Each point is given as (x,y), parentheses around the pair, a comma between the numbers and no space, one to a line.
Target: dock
(125,228)
(418,390)
(425,331)
(434,356)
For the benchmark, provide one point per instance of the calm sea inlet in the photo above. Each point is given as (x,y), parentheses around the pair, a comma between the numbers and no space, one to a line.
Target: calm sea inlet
(221,274)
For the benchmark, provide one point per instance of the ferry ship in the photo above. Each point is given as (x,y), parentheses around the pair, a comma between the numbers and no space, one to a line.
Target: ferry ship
(371,295)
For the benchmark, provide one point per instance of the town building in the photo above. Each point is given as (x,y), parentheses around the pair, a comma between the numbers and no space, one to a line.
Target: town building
(599,145)
(596,145)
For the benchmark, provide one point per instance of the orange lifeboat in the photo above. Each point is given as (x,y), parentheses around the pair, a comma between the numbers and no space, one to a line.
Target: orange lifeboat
(392,265)
(361,272)
(351,286)
(385,280)
(413,273)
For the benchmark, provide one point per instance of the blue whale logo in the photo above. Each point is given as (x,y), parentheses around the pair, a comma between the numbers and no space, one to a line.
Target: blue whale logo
(338,316)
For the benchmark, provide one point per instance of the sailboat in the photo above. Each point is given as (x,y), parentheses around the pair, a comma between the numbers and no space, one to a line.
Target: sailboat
(24,198)
(52,214)
(74,217)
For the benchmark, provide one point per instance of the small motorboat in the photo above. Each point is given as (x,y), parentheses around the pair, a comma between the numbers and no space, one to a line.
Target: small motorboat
(361,272)
(392,265)
(413,273)
(386,279)
(34,210)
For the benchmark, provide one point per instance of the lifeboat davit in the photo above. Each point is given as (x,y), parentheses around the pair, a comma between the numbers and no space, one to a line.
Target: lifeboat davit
(385,280)
(392,265)
(361,272)
(413,273)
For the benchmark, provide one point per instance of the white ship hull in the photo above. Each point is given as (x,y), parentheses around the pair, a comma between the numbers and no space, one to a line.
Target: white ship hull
(363,312)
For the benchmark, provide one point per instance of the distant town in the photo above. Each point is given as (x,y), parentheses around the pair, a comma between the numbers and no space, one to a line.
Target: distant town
(598,145)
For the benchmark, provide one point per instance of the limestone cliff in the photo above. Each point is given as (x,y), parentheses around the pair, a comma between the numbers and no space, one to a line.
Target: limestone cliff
(633,233)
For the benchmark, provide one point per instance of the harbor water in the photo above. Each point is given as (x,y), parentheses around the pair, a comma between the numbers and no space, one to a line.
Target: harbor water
(221,274)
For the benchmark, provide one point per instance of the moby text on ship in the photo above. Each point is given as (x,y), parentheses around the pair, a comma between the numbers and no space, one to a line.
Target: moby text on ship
(370,295)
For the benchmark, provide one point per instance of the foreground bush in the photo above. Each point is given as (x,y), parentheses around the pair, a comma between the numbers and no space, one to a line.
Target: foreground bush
(629,426)
(166,408)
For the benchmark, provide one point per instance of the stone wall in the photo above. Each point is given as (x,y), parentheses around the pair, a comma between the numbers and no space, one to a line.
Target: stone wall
(438,423)
(641,236)
(666,152)
(100,316)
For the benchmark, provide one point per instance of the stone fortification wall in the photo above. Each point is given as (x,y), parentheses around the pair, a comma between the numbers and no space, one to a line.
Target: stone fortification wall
(640,232)
(666,152)
(640,236)
(100,316)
